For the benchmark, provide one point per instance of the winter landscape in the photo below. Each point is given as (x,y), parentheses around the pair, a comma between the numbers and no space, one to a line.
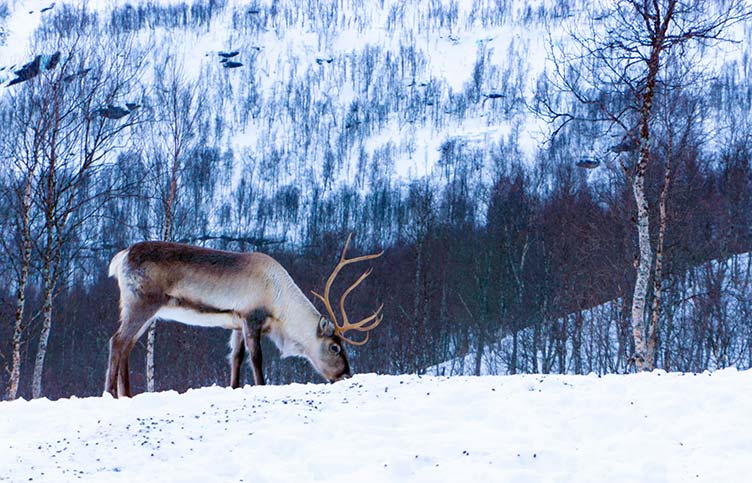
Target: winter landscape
(548,205)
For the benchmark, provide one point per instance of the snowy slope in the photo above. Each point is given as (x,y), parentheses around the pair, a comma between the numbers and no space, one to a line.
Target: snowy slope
(333,94)
(397,77)
(324,62)
(654,427)
(347,94)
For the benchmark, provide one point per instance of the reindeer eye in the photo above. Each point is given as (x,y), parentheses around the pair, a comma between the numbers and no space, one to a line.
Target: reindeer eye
(335,348)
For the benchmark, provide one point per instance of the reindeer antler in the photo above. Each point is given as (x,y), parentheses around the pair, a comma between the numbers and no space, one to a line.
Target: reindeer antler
(365,325)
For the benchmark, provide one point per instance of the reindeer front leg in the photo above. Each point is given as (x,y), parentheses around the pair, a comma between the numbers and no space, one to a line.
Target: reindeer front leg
(252,336)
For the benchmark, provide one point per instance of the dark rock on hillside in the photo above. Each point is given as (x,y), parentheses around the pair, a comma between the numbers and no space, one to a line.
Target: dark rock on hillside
(588,163)
(113,112)
(627,145)
(32,69)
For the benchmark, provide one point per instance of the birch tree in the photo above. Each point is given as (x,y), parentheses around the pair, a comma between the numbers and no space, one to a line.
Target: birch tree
(77,131)
(614,71)
(21,154)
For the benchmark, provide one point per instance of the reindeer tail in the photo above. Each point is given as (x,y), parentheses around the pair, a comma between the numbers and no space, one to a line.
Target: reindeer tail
(117,262)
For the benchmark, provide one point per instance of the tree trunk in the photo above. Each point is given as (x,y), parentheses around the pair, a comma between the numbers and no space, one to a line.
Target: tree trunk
(36,385)
(645,260)
(479,351)
(151,334)
(15,370)
(536,342)
(658,275)
(561,345)
(18,328)
(517,272)
(47,275)
(643,274)
(577,342)
(513,361)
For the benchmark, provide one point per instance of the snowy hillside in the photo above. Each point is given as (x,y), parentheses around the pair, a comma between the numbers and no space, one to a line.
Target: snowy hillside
(393,80)
(339,95)
(651,427)
(335,96)
(345,90)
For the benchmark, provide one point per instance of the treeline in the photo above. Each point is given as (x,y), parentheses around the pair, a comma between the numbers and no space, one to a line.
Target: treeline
(451,287)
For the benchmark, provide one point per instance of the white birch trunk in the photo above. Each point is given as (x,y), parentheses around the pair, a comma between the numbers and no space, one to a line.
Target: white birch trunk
(658,275)
(36,384)
(645,261)
(151,333)
(643,272)
(15,369)
(150,336)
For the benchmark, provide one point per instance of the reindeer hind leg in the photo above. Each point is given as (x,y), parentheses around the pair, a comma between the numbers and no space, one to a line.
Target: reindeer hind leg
(134,321)
(110,384)
(124,385)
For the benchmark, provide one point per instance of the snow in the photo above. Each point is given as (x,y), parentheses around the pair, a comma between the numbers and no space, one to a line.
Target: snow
(644,427)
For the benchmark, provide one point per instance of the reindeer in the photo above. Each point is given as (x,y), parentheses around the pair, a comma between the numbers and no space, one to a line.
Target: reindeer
(249,293)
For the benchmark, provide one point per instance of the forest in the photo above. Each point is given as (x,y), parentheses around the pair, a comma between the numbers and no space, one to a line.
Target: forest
(504,252)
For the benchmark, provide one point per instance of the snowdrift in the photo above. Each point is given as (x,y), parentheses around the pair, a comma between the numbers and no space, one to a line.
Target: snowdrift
(645,427)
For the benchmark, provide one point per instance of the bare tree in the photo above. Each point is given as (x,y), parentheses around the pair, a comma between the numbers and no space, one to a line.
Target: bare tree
(77,128)
(615,75)
(23,158)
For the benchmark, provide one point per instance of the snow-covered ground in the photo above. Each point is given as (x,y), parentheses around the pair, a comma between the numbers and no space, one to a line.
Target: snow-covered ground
(654,427)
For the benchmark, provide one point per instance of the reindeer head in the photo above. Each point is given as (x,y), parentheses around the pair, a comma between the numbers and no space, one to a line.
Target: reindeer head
(331,360)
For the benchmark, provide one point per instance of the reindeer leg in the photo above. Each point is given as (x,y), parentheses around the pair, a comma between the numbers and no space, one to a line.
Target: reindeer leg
(110,383)
(252,335)
(134,320)
(117,381)
(124,383)
(236,357)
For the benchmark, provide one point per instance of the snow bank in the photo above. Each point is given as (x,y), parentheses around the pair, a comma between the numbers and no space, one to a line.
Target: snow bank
(646,427)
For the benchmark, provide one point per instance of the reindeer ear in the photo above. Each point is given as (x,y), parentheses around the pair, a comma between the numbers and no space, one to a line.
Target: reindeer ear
(326,327)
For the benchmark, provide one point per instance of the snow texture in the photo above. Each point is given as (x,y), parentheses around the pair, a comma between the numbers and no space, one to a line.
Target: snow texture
(649,427)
